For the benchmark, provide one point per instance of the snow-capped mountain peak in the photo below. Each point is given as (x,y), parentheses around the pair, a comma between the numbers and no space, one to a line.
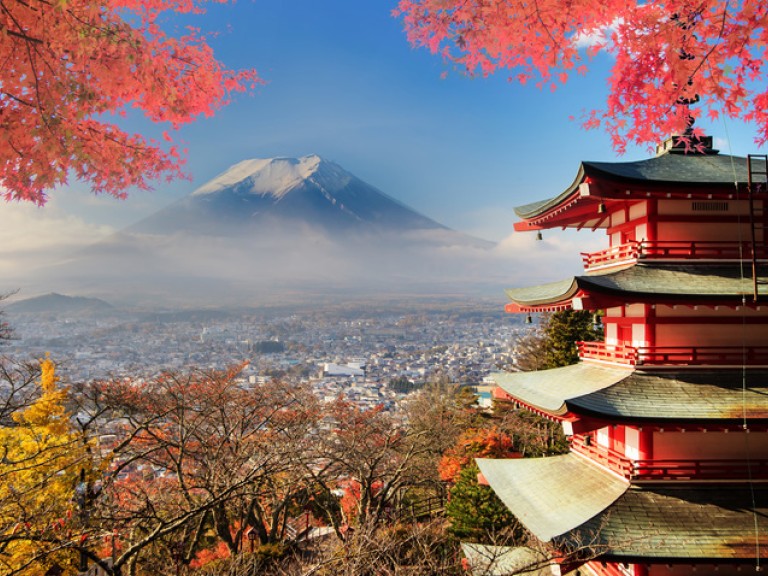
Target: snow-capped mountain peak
(265,176)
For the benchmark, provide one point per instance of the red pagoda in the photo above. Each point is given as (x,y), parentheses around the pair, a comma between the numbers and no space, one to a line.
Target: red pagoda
(667,418)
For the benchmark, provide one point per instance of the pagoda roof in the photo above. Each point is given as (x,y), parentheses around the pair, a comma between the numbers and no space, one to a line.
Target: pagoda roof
(650,282)
(640,395)
(573,501)
(489,560)
(681,522)
(670,168)
(554,495)
(548,390)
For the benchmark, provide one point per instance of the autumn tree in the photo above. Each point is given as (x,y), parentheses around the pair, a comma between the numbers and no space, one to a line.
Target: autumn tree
(665,54)
(440,413)
(197,460)
(475,443)
(372,456)
(44,460)
(67,67)
(18,387)
(397,549)
(6,331)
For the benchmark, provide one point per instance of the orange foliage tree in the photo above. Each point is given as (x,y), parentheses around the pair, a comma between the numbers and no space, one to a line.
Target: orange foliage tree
(475,443)
(665,53)
(67,65)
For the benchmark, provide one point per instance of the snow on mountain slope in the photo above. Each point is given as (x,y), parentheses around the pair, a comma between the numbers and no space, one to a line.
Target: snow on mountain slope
(265,176)
(284,193)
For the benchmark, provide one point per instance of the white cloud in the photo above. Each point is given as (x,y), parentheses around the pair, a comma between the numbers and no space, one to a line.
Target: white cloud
(597,37)
(32,237)
(555,257)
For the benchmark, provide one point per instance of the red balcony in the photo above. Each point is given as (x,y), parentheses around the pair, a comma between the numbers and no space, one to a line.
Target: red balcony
(611,353)
(700,469)
(608,458)
(674,355)
(671,250)
(671,469)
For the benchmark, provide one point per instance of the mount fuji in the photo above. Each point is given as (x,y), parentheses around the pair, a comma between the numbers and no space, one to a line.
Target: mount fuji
(283,193)
(278,229)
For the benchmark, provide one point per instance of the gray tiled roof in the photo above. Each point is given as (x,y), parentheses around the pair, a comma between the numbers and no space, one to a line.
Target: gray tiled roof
(549,389)
(553,495)
(676,169)
(645,280)
(684,396)
(627,394)
(487,560)
(667,168)
(569,499)
(666,522)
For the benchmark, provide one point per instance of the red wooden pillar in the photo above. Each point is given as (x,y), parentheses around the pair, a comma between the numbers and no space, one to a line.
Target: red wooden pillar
(645,444)
(650,325)
(652,210)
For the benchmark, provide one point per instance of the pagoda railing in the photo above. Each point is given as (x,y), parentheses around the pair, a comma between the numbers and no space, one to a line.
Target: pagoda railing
(700,469)
(674,355)
(723,469)
(672,250)
(604,456)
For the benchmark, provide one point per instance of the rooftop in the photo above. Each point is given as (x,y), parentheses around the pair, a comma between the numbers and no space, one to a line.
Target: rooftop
(692,170)
(572,501)
(625,394)
(554,495)
(653,282)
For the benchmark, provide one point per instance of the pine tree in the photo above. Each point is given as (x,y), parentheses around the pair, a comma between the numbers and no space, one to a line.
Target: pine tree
(476,513)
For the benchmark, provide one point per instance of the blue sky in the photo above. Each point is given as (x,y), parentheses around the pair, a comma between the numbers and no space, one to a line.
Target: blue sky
(343,82)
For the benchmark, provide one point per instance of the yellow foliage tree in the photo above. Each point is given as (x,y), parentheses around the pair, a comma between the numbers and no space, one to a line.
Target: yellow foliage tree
(42,457)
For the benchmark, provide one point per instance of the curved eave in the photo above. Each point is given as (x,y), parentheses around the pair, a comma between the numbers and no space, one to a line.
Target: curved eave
(548,391)
(544,294)
(696,175)
(695,397)
(535,209)
(554,495)
(652,283)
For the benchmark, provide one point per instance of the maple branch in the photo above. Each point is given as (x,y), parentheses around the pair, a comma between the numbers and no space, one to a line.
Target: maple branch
(555,43)
(705,58)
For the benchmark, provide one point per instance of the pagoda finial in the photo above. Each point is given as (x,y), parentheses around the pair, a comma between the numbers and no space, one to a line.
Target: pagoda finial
(687,142)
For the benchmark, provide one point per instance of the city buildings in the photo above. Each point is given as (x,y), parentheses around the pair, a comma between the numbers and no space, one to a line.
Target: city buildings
(668,416)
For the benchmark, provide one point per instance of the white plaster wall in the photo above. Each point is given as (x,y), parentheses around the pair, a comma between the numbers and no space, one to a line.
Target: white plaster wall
(688,335)
(603,437)
(632,443)
(709,445)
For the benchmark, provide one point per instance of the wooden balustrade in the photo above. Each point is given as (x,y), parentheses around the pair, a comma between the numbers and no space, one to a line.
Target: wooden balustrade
(674,355)
(701,469)
(672,250)
(722,469)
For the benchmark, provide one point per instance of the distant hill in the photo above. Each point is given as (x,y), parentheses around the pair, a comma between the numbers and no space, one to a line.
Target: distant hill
(57,304)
